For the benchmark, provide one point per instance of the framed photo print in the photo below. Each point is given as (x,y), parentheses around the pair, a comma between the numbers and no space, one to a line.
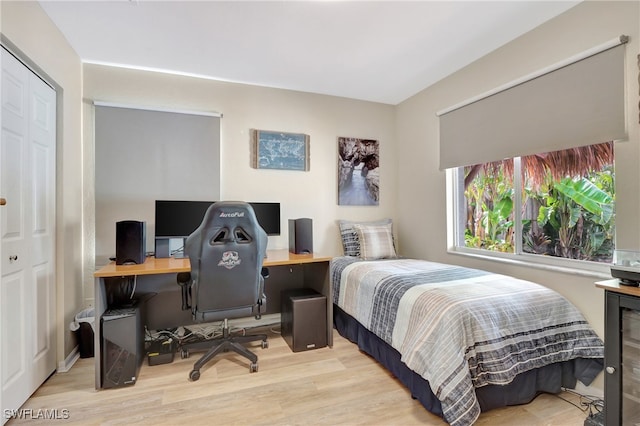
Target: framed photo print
(358,172)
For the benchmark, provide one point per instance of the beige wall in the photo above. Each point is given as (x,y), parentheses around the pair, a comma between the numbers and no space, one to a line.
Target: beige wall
(301,194)
(421,214)
(26,26)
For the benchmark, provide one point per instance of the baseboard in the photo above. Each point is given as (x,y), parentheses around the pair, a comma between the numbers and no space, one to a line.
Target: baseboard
(69,361)
(589,390)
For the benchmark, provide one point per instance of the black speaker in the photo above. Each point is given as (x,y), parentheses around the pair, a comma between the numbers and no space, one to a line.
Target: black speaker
(122,346)
(300,236)
(131,238)
(303,319)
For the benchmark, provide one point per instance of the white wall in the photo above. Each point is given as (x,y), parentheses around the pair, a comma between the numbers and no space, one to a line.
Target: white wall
(301,194)
(27,27)
(421,214)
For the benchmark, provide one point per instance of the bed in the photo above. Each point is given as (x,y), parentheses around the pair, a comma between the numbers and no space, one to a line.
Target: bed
(462,340)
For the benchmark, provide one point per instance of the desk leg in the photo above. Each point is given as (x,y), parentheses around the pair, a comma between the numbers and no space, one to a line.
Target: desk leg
(100,301)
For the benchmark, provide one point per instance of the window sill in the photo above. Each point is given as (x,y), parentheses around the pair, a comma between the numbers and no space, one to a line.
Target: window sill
(590,269)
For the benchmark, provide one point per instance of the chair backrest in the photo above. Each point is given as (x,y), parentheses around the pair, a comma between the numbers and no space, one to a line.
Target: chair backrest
(226,253)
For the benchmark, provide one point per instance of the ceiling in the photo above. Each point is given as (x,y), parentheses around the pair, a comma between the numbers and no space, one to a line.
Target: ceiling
(380,51)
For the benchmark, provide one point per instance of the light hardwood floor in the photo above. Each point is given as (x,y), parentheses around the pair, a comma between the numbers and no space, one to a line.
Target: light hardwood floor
(328,386)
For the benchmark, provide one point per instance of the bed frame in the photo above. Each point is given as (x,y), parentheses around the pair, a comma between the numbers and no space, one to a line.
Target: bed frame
(524,388)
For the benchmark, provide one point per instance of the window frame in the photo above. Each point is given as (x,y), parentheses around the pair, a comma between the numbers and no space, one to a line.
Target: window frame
(456,227)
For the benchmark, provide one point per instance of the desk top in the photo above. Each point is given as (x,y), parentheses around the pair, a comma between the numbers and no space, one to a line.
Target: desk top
(172,265)
(284,257)
(614,285)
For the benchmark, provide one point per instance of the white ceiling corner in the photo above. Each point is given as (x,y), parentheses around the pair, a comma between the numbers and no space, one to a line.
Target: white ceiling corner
(380,51)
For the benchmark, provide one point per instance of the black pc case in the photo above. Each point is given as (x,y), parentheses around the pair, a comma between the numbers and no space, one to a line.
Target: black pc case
(122,332)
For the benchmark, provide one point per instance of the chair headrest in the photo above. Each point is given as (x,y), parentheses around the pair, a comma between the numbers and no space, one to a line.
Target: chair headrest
(230,214)
(224,223)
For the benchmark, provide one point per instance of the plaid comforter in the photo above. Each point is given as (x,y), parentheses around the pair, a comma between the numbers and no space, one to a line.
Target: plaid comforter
(461,328)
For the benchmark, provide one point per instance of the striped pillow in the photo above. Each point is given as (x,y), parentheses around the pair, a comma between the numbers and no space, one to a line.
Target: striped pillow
(376,241)
(349,237)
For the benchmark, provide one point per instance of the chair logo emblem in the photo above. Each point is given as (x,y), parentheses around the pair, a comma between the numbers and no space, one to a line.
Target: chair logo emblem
(230,259)
(231,214)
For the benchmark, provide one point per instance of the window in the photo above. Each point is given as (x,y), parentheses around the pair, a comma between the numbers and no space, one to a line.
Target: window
(558,204)
(521,200)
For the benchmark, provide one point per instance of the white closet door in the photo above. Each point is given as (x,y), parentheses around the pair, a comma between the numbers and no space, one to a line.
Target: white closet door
(27,233)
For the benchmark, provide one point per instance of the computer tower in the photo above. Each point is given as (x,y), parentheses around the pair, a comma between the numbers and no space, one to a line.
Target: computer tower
(123,352)
(303,319)
(130,242)
(301,236)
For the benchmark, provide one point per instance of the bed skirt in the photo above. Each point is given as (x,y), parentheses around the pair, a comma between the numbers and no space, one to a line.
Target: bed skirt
(524,388)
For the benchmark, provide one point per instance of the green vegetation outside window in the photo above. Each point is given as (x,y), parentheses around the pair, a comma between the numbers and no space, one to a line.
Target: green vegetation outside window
(558,204)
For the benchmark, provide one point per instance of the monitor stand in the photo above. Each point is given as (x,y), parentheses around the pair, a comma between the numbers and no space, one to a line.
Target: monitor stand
(169,247)
(176,247)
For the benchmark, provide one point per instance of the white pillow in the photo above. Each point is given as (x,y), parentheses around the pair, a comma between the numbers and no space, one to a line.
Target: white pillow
(376,241)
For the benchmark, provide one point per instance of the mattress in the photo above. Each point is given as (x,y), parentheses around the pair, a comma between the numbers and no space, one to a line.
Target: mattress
(460,329)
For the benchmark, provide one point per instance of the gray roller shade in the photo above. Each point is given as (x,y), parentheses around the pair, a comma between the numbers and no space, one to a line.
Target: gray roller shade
(579,104)
(146,155)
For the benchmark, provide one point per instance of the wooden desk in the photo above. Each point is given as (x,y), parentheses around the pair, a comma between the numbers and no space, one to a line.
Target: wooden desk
(315,275)
(149,267)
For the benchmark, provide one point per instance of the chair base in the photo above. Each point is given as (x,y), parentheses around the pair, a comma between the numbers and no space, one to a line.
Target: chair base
(225,343)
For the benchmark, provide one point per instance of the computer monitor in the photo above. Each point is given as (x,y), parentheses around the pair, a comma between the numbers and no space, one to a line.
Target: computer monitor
(268,215)
(178,219)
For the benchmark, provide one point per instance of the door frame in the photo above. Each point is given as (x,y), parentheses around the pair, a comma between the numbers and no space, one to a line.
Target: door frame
(59,311)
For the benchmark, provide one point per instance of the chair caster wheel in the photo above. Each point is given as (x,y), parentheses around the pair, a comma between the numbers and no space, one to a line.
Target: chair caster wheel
(265,344)
(195,375)
(184,353)
(253,367)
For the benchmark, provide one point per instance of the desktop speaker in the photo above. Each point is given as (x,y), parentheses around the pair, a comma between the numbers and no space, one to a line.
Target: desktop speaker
(303,319)
(122,345)
(300,236)
(130,242)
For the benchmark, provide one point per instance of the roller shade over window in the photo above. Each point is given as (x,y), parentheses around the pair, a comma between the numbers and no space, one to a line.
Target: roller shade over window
(579,103)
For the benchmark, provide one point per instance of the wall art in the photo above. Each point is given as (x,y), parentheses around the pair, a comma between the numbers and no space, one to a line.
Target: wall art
(279,150)
(358,172)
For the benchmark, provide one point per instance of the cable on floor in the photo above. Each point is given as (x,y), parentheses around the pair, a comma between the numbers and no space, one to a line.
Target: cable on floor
(590,404)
